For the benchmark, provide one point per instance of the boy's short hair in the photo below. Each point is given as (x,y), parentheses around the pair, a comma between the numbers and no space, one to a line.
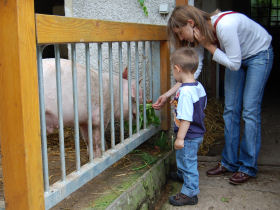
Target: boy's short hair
(186,58)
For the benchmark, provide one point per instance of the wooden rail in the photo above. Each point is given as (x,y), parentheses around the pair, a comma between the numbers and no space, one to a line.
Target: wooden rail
(181,2)
(19,107)
(59,29)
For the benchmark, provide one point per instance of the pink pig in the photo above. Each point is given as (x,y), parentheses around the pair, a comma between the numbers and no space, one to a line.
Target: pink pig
(49,72)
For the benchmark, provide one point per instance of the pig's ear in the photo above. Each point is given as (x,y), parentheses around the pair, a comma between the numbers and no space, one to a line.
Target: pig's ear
(124,74)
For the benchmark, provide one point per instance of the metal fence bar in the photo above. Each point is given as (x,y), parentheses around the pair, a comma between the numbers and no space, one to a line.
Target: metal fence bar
(155,72)
(111,95)
(59,190)
(89,105)
(137,86)
(60,112)
(217,81)
(144,84)
(101,111)
(121,92)
(75,102)
(43,119)
(129,88)
(151,71)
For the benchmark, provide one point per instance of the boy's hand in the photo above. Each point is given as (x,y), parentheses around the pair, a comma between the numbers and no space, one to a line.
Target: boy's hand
(160,102)
(179,144)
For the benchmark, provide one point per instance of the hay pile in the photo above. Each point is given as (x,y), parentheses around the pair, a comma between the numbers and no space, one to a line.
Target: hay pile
(214,125)
(214,131)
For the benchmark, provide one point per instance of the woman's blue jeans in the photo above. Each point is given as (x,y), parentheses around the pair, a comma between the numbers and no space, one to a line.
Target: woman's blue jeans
(243,94)
(186,159)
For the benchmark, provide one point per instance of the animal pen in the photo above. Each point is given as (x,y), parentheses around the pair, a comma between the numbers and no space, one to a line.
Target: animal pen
(22,122)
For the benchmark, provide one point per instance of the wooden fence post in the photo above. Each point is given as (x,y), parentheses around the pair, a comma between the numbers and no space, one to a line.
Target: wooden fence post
(19,107)
(165,82)
(181,2)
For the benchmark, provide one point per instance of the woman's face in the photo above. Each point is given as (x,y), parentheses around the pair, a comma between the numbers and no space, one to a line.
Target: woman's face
(185,33)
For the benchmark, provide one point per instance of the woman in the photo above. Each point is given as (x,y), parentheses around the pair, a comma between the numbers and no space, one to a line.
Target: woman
(244,48)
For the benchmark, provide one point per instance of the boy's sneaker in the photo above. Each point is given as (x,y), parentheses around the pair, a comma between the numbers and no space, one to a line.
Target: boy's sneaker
(181,199)
(174,176)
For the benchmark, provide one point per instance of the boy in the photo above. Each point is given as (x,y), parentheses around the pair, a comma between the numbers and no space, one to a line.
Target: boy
(189,102)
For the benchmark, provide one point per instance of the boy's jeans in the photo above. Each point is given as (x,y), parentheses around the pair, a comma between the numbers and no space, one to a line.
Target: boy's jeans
(245,88)
(186,159)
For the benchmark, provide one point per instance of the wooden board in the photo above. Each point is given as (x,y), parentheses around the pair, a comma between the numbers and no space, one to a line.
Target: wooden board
(59,29)
(19,107)
(181,2)
(165,82)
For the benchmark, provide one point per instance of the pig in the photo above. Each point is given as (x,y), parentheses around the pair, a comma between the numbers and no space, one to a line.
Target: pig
(50,96)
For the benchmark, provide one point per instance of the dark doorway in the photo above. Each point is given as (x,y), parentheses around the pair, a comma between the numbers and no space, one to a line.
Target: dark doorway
(267,13)
(51,7)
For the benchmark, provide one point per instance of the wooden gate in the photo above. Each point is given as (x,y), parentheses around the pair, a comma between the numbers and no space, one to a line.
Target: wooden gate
(19,101)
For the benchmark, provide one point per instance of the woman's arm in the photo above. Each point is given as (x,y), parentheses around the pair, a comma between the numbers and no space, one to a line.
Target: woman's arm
(227,33)
(228,38)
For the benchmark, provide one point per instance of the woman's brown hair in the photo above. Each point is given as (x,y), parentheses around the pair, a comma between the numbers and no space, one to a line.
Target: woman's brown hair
(179,18)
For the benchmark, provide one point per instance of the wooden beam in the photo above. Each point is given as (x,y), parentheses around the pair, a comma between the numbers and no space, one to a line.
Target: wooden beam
(19,107)
(181,2)
(59,29)
(165,83)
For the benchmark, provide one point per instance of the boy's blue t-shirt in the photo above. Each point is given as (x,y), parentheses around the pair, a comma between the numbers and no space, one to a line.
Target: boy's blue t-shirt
(190,102)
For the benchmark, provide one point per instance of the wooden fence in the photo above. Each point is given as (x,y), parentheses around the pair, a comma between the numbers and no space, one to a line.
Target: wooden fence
(21,31)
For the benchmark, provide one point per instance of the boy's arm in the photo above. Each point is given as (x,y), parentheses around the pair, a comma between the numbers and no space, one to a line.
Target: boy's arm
(163,98)
(183,129)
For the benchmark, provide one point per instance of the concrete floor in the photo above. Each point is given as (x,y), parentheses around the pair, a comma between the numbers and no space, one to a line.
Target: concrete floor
(262,192)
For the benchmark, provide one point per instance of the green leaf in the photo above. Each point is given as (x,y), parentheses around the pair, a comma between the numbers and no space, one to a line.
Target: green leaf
(224,199)
(141,2)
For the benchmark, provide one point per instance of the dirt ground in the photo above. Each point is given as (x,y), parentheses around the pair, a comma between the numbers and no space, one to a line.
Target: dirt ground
(106,187)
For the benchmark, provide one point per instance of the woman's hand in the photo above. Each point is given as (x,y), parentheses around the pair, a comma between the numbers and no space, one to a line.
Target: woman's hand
(203,41)
(200,38)
(179,144)
(160,102)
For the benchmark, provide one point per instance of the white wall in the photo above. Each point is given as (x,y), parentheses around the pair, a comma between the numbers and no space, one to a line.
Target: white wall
(116,10)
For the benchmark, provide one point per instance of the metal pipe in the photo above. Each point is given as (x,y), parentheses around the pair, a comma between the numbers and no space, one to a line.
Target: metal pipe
(101,111)
(111,95)
(144,85)
(129,88)
(121,92)
(43,120)
(60,112)
(75,102)
(137,86)
(151,71)
(89,106)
